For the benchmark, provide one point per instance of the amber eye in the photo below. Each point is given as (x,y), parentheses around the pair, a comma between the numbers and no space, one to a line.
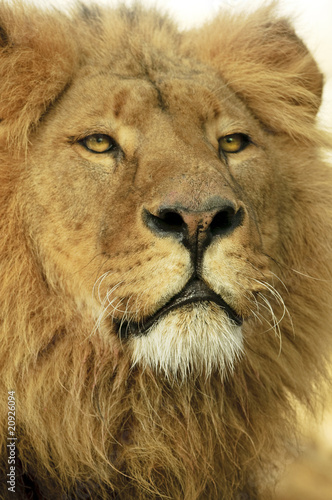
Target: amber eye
(233,143)
(98,143)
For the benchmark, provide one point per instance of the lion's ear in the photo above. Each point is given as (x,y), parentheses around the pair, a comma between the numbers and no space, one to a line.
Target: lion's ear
(37,60)
(264,61)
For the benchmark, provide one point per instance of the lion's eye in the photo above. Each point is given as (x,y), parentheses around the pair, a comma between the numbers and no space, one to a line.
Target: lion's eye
(98,143)
(233,143)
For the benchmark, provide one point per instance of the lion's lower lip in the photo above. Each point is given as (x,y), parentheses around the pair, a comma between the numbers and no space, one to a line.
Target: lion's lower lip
(195,291)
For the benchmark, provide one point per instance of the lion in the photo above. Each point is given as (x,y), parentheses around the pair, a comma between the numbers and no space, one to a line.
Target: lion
(165,252)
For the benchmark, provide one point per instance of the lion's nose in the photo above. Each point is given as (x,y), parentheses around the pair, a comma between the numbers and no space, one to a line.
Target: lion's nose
(194,227)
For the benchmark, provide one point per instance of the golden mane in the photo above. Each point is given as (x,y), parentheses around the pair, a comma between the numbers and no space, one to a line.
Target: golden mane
(87,422)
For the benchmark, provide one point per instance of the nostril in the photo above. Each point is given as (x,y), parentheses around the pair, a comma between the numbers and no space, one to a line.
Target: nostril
(222,221)
(225,221)
(171,220)
(165,223)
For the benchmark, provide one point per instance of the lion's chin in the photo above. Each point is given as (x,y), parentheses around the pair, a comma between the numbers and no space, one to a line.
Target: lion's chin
(196,339)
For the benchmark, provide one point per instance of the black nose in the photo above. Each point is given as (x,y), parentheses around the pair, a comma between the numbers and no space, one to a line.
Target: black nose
(194,228)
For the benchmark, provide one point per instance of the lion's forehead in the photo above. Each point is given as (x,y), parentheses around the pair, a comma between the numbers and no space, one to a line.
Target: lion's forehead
(130,98)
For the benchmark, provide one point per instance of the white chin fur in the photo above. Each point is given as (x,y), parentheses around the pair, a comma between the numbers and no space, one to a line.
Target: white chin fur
(195,339)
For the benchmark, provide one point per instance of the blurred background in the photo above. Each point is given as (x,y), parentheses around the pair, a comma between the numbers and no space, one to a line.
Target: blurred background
(309,476)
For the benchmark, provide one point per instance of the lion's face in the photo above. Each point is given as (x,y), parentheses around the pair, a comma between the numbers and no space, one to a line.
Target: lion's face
(165,243)
(142,207)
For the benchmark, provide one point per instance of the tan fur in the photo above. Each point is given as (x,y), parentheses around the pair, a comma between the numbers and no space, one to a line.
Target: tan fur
(193,420)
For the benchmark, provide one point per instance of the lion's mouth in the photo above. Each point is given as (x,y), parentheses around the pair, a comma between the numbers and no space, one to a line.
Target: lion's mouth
(194,291)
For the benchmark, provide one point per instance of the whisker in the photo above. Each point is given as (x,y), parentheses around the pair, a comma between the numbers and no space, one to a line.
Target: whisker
(275,322)
(287,268)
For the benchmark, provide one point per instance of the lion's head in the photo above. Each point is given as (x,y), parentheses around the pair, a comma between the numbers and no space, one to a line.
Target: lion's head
(165,249)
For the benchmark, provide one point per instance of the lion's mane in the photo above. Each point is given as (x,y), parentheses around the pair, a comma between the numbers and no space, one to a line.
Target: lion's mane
(87,422)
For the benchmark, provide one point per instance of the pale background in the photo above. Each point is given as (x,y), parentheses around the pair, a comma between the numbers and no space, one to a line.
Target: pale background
(310,478)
